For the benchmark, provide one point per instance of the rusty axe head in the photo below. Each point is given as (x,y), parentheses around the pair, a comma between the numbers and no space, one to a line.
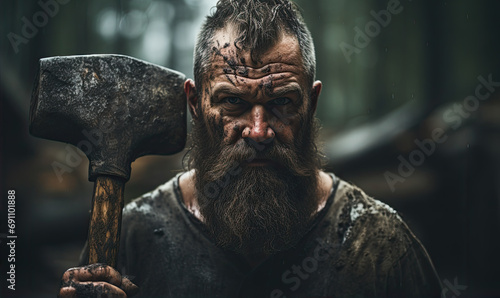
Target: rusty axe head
(114,108)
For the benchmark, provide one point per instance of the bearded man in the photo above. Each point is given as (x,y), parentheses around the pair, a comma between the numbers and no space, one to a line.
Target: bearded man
(255,216)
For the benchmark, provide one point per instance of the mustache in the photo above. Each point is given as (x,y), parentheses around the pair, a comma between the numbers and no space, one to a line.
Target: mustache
(234,158)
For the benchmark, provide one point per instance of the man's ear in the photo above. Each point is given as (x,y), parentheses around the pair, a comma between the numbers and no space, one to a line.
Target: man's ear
(192,96)
(315,92)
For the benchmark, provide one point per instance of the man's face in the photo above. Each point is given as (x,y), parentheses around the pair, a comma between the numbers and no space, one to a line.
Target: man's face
(262,100)
(254,146)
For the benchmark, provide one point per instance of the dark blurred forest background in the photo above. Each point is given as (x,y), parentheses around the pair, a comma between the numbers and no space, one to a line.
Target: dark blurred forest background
(387,92)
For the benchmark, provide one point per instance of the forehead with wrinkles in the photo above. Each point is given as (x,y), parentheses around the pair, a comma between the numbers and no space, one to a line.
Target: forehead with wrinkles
(236,65)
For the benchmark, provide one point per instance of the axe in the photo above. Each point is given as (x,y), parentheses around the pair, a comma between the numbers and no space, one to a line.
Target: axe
(130,107)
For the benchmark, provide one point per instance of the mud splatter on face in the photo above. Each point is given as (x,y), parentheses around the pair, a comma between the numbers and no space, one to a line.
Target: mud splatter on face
(231,62)
(266,69)
(217,51)
(236,127)
(242,71)
(230,80)
(268,84)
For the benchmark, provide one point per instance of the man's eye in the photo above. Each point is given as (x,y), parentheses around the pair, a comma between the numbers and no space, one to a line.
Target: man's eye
(233,100)
(280,101)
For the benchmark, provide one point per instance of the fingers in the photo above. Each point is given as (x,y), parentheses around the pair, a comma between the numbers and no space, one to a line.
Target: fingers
(92,289)
(94,272)
(66,292)
(95,280)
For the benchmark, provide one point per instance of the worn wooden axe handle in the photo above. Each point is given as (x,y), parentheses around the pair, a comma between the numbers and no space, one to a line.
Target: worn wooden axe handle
(105,221)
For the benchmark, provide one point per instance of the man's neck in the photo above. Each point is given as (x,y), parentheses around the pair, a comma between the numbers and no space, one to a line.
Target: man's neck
(187,186)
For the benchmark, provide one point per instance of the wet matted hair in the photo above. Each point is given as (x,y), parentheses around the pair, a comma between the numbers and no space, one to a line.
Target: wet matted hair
(259,24)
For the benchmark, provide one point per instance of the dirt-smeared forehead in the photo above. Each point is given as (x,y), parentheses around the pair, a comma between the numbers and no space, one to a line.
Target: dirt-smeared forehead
(230,58)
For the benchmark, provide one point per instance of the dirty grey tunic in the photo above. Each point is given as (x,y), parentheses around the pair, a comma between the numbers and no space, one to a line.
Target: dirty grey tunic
(356,247)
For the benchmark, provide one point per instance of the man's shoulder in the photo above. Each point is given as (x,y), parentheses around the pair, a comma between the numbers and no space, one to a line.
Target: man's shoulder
(373,243)
(353,204)
(156,203)
(365,222)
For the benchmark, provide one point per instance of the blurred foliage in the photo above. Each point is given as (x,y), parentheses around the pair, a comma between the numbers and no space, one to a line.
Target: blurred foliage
(429,53)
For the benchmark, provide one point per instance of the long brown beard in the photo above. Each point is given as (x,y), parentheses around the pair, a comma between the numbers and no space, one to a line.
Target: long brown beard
(255,210)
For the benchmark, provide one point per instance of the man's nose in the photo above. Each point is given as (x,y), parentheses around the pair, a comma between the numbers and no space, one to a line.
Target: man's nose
(258,128)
